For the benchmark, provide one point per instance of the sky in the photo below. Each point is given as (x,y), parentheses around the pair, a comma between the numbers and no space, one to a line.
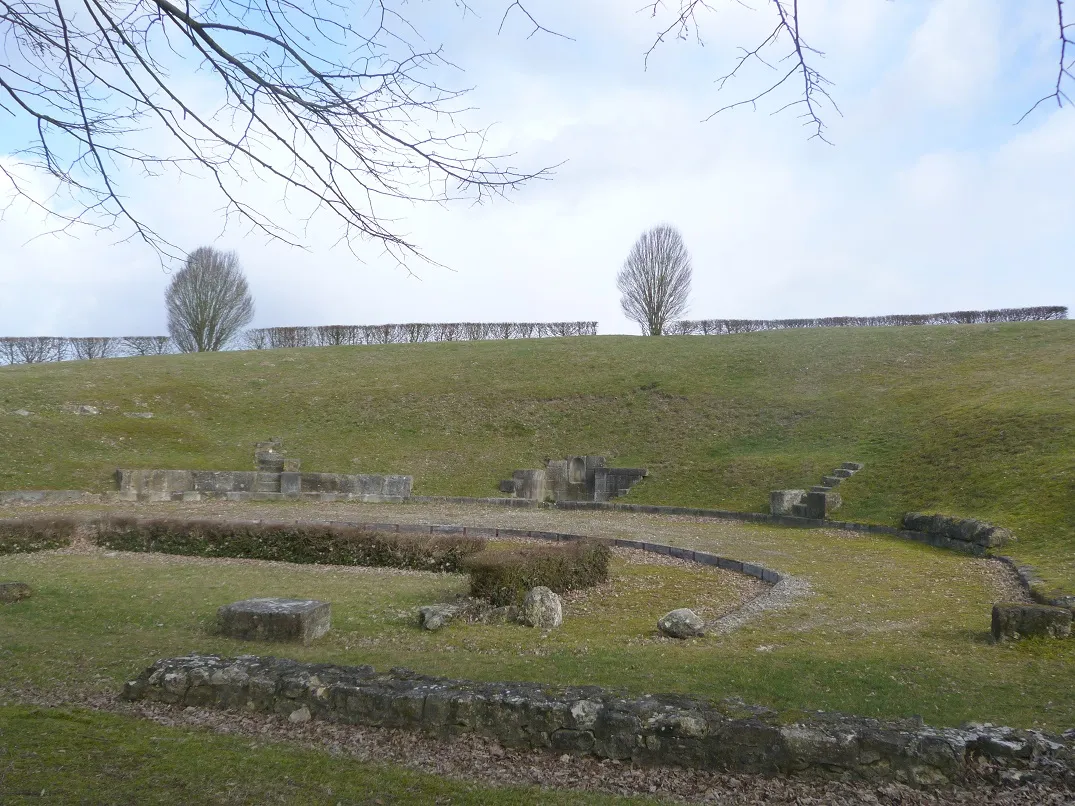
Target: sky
(931,197)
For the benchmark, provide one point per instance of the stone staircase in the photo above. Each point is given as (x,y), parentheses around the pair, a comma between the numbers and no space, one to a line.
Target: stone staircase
(270,464)
(266,482)
(816,502)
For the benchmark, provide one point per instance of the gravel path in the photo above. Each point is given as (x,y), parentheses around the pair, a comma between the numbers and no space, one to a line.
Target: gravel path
(473,758)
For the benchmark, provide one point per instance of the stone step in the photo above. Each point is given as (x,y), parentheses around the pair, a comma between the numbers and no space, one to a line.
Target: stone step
(831,481)
(269,483)
(855,466)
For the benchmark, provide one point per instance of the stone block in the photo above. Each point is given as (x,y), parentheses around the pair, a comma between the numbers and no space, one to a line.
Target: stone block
(681,623)
(291,484)
(275,619)
(507,486)
(530,484)
(843,473)
(1016,621)
(291,466)
(14,592)
(817,504)
(782,501)
(854,467)
(831,481)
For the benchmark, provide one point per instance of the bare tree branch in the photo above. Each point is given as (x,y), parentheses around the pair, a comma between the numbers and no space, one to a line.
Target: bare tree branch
(333,108)
(1065,67)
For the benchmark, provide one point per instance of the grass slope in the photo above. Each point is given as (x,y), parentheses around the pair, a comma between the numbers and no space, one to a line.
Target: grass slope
(970,420)
(69,755)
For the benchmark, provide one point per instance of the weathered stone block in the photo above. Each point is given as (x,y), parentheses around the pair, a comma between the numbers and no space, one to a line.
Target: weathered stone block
(818,504)
(831,481)
(1023,621)
(507,486)
(852,466)
(291,466)
(14,592)
(291,484)
(529,484)
(967,530)
(843,473)
(782,501)
(681,623)
(542,608)
(274,619)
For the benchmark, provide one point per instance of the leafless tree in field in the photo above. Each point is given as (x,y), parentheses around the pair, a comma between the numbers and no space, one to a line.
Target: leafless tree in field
(337,105)
(87,348)
(146,345)
(655,280)
(208,301)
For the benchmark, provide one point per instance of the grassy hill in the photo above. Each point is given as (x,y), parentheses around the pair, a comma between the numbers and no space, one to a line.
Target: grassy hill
(970,420)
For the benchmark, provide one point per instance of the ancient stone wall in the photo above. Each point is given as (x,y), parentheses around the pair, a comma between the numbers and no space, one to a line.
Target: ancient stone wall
(576,478)
(169,485)
(586,720)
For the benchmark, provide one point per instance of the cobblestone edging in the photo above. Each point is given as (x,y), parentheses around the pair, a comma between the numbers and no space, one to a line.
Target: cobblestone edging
(674,730)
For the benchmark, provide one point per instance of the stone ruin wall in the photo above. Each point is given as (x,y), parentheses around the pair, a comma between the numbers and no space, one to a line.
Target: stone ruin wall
(576,478)
(676,730)
(276,477)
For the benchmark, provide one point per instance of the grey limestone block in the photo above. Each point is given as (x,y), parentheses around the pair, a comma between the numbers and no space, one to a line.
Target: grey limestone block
(817,504)
(831,481)
(843,473)
(782,501)
(681,623)
(1024,621)
(542,608)
(275,619)
(291,484)
(852,466)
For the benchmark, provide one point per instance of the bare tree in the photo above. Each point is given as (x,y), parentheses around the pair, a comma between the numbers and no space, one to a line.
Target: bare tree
(330,102)
(146,345)
(655,280)
(94,347)
(208,301)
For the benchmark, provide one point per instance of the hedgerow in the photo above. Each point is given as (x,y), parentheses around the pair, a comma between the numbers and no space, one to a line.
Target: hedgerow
(328,544)
(504,576)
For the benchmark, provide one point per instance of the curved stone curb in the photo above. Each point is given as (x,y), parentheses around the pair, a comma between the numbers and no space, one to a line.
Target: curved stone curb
(669,729)
(937,541)
(1035,586)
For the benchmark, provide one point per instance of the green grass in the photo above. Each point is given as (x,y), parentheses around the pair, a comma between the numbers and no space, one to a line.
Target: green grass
(971,420)
(892,629)
(76,756)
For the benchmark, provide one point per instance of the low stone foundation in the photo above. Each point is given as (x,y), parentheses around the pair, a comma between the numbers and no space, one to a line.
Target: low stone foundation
(253,485)
(650,730)
(962,534)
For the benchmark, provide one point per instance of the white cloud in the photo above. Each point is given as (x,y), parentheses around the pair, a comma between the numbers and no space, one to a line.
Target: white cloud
(909,212)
